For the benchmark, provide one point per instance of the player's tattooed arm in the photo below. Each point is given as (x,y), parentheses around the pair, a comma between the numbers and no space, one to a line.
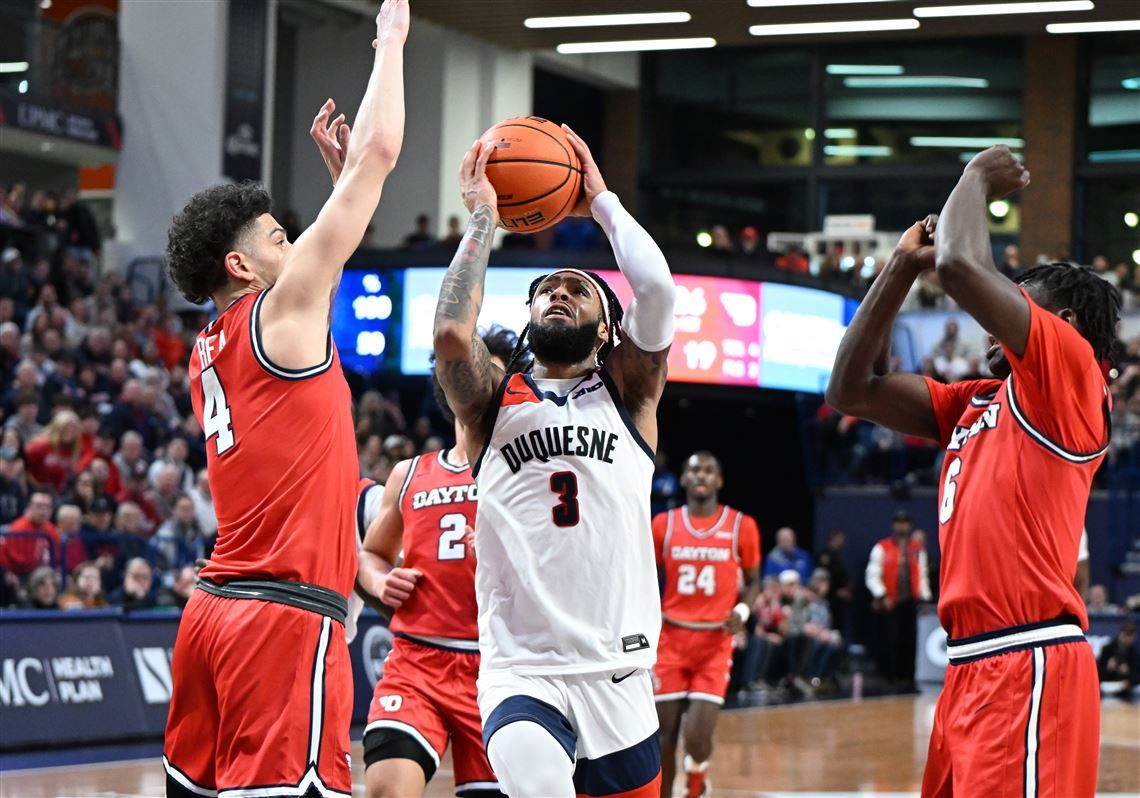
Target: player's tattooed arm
(463,364)
(859,385)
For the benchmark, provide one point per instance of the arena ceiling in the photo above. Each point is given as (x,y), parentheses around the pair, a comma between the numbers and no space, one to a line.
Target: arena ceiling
(728,21)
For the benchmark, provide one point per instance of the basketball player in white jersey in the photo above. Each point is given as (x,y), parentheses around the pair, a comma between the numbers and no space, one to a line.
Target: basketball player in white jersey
(569,613)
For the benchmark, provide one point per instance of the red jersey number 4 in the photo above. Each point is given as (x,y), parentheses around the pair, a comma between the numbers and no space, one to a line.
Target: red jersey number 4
(216,412)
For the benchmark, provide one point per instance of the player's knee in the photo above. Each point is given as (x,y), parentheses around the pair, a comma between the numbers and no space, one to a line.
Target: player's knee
(699,746)
(530,763)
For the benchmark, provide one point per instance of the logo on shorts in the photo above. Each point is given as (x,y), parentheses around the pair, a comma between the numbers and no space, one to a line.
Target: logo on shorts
(634,643)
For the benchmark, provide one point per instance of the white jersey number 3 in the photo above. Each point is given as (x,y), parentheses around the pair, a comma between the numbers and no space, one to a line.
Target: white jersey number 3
(216,412)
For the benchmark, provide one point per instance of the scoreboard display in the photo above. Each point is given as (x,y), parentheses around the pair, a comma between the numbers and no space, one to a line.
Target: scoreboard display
(728,331)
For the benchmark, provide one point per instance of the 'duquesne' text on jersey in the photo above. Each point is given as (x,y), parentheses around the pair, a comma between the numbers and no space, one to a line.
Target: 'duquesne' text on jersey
(566,581)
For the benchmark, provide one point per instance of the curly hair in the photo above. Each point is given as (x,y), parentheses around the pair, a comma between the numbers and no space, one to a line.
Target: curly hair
(519,361)
(210,225)
(1095,301)
(500,342)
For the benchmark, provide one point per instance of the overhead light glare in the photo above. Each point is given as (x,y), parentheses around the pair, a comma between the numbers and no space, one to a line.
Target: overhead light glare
(591,20)
(988,9)
(1131,219)
(704,239)
(857,151)
(1114,156)
(1131,83)
(999,209)
(850,26)
(23,87)
(636,46)
(782,3)
(966,157)
(917,82)
(864,69)
(840,133)
(981,142)
(9,67)
(1108,26)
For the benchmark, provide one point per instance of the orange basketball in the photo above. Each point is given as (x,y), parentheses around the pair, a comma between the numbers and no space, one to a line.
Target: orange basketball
(535,172)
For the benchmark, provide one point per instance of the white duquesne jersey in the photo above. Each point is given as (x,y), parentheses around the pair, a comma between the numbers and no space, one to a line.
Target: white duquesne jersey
(565,576)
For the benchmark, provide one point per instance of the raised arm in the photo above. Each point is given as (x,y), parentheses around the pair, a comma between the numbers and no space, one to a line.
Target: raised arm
(963,254)
(462,363)
(376,572)
(295,314)
(859,384)
(639,364)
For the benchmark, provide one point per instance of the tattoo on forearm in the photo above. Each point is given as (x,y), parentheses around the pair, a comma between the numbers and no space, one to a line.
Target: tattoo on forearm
(460,295)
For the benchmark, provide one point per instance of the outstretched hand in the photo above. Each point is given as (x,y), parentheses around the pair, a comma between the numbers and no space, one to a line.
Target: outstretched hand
(916,246)
(474,186)
(331,138)
(392,22)
(592,182)
(1003,174)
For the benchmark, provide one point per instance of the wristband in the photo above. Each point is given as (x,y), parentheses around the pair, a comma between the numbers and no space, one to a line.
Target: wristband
(742,612)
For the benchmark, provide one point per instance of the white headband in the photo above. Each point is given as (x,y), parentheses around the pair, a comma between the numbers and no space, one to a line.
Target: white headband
(603,297)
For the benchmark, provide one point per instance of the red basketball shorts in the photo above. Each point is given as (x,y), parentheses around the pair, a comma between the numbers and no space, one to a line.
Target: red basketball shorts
(262,699)
(1019,715)
(428,693)
(692,663)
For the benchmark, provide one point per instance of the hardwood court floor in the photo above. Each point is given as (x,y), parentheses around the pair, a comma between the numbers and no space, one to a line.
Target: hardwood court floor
(840,748)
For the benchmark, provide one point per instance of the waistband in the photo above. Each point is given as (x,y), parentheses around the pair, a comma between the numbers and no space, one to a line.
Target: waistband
(1014,638)
(301,595)
(442,643)
(695,626)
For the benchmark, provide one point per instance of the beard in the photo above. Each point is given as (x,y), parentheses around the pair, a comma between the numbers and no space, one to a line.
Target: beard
(563,345)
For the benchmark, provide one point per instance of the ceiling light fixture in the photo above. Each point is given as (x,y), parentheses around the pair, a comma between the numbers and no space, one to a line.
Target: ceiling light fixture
(840,133)
(1131,83)
(8,67)
(635,46)
(1114,156)
(850,26)
(987,9)
(1107,26)
(981,142)
(966,157)
(782,3)
(999,209)
(917,82)
(857,151)
(591,20)
(864,69)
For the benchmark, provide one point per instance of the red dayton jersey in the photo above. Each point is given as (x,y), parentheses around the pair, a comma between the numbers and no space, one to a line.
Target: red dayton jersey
(702,558)
(1020,458)
(281,454)
(438,503)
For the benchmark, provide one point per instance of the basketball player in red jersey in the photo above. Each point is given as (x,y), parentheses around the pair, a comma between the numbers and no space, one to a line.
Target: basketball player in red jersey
(1019,714)
(262,685)
(703,548)
(426,696)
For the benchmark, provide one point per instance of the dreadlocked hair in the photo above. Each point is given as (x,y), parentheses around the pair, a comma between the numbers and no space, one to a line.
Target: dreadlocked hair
(1095,301)
(520,360)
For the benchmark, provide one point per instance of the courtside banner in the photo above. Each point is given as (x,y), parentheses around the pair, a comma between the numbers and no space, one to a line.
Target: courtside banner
(65,678)
(100,676)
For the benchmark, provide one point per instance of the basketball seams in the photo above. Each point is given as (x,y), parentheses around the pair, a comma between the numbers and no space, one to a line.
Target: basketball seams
(572,178)
(570,155)
(544,195)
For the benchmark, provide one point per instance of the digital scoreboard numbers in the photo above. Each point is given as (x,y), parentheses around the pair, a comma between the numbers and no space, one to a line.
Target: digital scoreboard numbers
(717,333)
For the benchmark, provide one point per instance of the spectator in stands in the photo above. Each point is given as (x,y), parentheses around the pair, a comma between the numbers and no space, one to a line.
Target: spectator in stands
(136,492)
(174,455)
(165,492)
(185,582)
(1011,262)
(9,338)
(134,411)
(793,260)
(766,644)
(1098,603)
(433,444)
(825,642)
(204,506)
(137,589)
(832,560)
(421,237)
(81,233)
(454,233)
(787,555)
(750,242)
(69,523)
(43,589)
(722,246)
(897,578)
(180,533)
(130,453)
(13,484)
(53,454)
(85,590)
(38,543)
(1119,660)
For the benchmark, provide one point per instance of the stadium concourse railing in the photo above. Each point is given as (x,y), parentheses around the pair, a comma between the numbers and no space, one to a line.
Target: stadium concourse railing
(74,548)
